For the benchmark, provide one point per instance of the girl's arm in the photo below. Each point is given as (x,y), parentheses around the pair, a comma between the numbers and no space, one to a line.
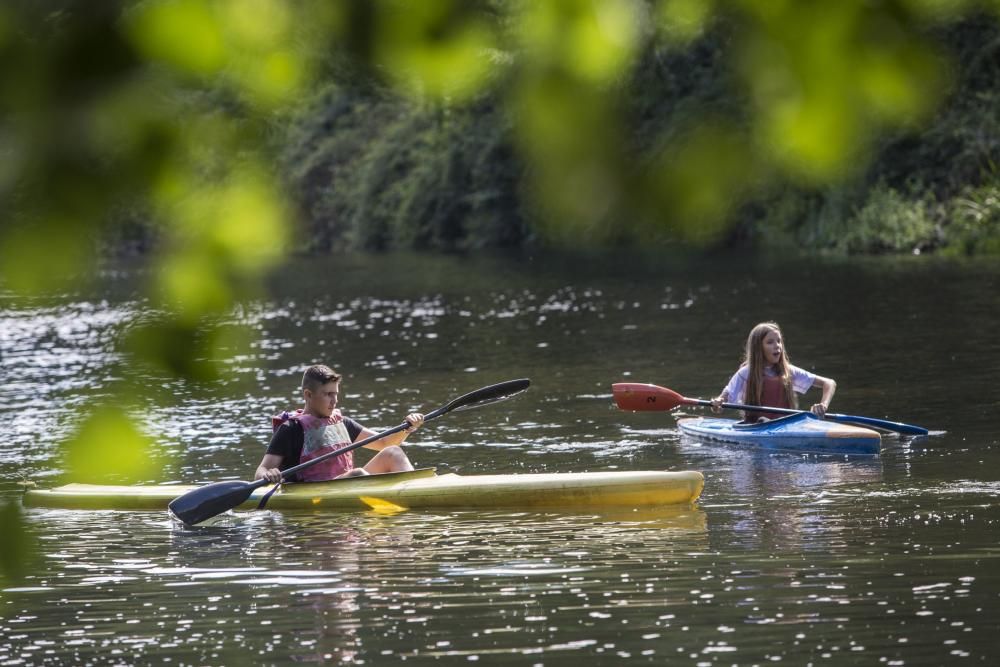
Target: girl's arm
(829,388)
(731,391)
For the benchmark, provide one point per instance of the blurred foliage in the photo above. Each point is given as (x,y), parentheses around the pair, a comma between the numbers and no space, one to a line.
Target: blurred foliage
(437,178)
(179,128)
(146,122)
(19,543)
(109,448)
(625,122)
(924,189)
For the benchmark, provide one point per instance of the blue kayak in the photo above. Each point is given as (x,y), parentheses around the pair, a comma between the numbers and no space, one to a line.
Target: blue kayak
(803,432)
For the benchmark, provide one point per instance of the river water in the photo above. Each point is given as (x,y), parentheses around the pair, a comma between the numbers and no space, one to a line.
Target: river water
(785,558)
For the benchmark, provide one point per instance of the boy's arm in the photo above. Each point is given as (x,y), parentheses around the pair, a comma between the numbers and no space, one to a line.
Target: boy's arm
(282,444)
(268,468)
(416,420)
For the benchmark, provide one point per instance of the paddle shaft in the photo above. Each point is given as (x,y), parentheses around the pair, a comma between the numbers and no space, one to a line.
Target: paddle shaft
(638,396)
(199,504)
(480,396)
(208,501)
(740,406)
(906,429)
(287,472)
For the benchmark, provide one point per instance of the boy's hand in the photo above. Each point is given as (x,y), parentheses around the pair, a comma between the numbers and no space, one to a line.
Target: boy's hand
(416,421)
(272,475)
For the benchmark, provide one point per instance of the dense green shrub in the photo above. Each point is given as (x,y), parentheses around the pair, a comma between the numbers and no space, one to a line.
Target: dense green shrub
(370,169)
(889,221)
(974,221)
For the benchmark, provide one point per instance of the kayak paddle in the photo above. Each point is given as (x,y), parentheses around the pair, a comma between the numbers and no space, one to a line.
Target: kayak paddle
(203,503)
(636,396)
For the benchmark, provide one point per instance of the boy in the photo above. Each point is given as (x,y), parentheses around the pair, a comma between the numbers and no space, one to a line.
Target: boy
(320,428)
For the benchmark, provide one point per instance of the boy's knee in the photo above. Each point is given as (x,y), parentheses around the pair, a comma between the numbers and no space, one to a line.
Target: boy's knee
(394,451)
(395,459)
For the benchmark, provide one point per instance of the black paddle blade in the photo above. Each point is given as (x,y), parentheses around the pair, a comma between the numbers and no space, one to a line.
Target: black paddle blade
(208,501)
(487,395)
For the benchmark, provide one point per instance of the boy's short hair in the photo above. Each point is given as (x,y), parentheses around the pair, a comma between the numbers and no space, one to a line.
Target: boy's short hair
(317,376)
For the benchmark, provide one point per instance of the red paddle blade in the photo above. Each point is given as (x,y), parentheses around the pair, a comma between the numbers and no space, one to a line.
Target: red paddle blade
(636,396)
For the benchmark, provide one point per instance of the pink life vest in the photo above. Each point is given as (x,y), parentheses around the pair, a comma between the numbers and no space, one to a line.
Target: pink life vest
(320,435)
(773,396)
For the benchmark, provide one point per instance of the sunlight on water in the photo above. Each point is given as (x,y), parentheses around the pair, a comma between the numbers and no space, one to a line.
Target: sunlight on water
(59,356)
(786,558)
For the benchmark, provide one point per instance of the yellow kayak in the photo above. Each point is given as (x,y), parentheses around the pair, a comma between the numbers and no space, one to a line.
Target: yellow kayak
(417,489)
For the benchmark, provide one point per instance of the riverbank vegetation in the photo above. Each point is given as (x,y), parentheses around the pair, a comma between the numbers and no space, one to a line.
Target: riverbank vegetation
(370,168)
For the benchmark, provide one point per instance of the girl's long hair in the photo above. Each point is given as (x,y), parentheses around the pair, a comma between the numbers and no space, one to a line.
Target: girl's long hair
(753,359)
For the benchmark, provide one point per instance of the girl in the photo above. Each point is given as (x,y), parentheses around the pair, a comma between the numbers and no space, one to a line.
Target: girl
(767,378)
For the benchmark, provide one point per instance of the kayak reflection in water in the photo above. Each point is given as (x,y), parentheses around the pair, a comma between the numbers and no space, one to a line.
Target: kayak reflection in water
(768,379)
(319,427)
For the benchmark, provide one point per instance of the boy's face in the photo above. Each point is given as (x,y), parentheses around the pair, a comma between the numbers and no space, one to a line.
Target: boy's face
(322,401)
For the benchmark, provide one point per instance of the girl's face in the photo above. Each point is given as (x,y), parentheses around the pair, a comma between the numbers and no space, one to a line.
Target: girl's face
(772,347)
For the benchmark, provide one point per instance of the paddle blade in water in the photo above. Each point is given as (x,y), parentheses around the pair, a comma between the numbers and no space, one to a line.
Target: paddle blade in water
(636,396)
(898,427)
(381,505)
(208,501)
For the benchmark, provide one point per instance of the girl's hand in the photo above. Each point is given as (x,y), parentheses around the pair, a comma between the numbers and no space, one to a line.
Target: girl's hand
(819,410)
(416,421)
(717,404)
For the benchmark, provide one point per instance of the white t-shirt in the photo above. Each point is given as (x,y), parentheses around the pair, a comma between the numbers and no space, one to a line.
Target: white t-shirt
(802,380)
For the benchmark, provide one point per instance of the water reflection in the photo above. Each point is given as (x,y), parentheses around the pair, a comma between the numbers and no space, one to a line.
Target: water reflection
(798,502)
(786,559)
(318,585)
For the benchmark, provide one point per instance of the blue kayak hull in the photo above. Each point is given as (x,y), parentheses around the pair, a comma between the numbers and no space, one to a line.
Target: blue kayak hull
(804,433)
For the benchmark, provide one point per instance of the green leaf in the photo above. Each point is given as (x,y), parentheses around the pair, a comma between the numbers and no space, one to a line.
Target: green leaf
(185,34)
(18,545)
(109,447)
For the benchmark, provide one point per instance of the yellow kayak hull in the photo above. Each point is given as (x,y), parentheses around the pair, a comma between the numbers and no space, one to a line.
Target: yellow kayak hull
(417,489)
